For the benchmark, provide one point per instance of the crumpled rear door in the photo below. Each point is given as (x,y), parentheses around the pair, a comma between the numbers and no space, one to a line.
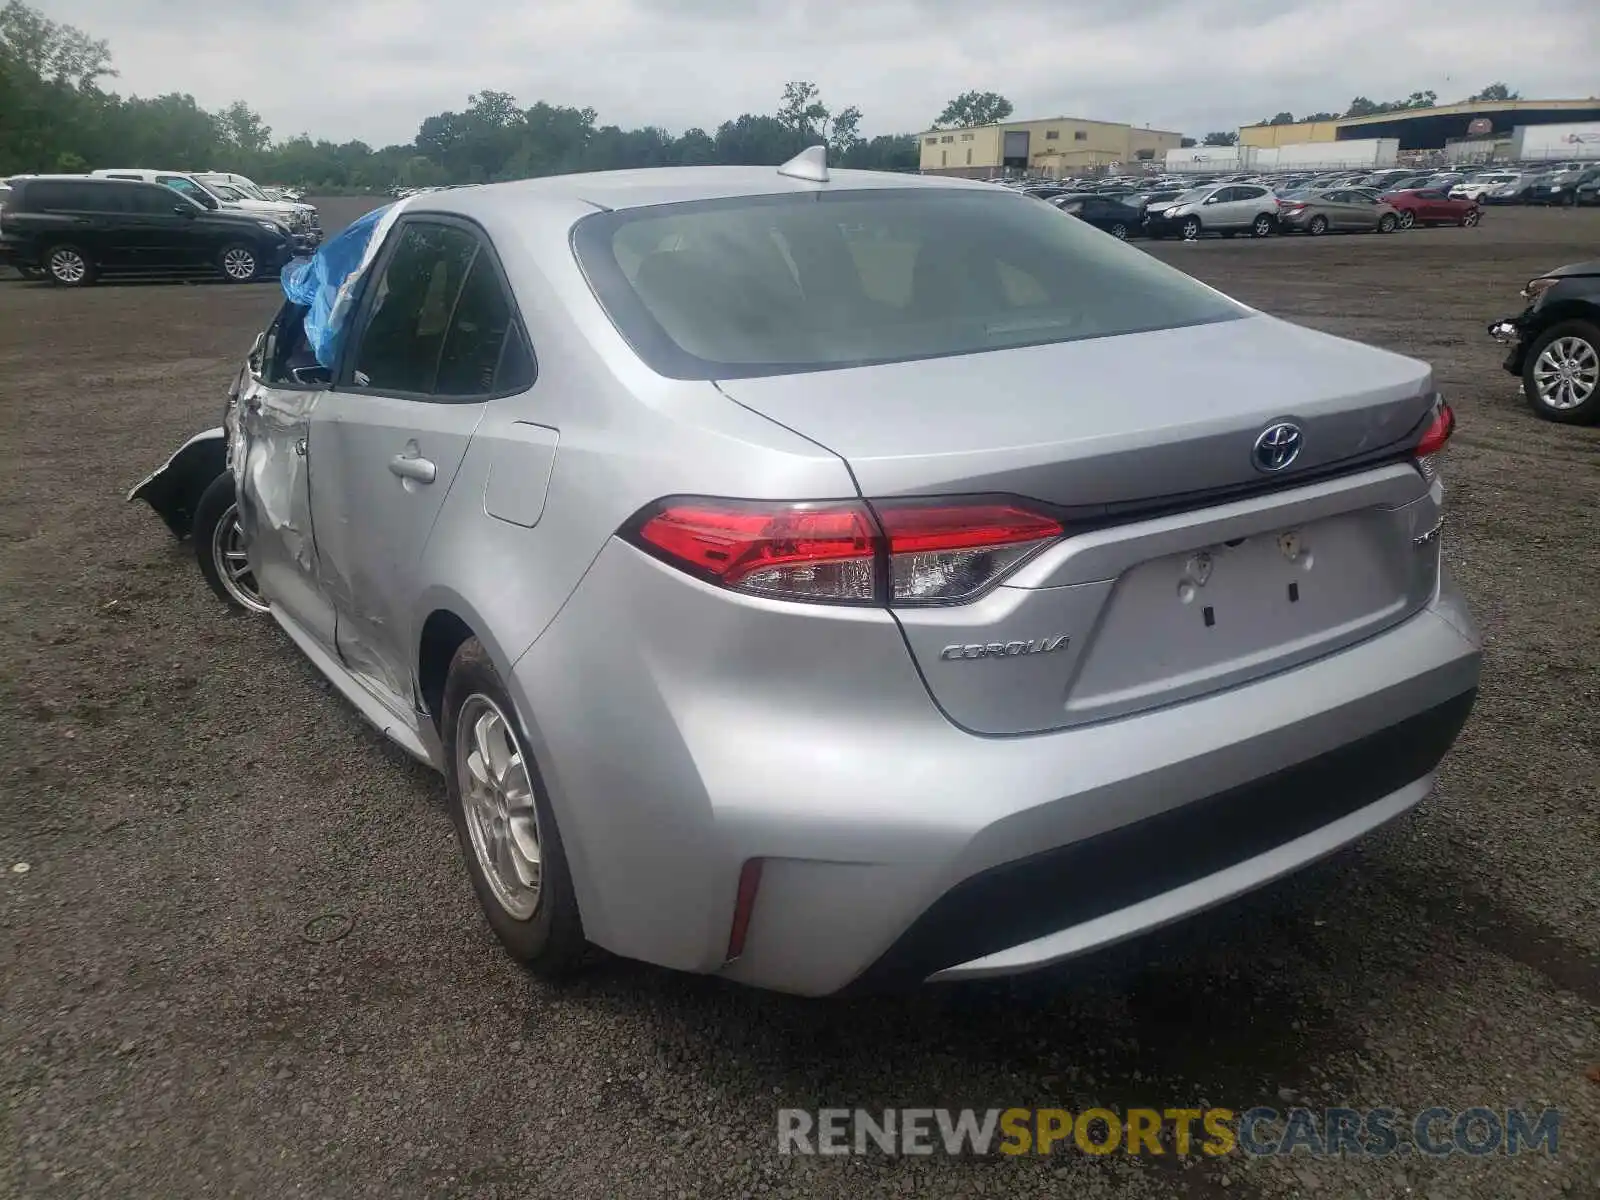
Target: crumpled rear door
(270,459)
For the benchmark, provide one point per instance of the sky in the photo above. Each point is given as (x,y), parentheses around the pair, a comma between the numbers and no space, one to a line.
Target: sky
(373,69)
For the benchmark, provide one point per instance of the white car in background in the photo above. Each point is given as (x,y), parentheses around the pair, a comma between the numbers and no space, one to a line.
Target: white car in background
(1476,187)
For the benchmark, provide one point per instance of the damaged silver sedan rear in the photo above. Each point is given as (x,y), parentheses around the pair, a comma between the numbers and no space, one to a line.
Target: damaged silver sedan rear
(790,584)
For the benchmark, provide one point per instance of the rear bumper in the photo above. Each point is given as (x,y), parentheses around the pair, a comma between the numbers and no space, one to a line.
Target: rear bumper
(897,847)
(1136,877)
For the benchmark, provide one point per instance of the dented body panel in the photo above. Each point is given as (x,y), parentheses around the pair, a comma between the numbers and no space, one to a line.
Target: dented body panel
(174,488)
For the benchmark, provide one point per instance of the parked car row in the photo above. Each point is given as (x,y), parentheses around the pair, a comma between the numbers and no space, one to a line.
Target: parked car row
(1258,209)
(74,229)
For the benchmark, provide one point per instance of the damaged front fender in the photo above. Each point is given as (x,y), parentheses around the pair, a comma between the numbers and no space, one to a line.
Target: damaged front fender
(174,488)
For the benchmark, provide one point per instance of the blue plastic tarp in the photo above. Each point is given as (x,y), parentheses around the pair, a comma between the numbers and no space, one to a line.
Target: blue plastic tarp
(326,283)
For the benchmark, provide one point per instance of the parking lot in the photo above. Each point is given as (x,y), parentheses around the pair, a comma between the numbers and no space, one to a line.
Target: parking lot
(243,957)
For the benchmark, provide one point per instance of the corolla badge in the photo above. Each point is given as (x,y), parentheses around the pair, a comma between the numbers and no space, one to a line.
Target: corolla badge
(1044,645)
(1277,446)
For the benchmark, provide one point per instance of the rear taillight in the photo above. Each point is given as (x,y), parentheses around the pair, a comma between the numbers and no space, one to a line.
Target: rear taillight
(796,551)
(904,553)
(1434,438)
(948,553)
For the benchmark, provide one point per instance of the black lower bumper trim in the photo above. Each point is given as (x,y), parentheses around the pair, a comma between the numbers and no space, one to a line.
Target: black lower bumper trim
(1031,897)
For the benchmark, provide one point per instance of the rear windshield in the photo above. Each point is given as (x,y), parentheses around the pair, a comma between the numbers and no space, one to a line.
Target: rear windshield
(771,285)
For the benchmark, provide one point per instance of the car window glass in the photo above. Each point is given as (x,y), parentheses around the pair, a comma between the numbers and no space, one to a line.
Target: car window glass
(515,372)
(186,186)
(66,196)
(1249,193)
(706,290)
(476,334)
(151,200)
(411,306)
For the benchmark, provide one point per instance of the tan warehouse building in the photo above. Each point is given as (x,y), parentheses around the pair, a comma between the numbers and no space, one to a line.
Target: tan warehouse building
(1055,147)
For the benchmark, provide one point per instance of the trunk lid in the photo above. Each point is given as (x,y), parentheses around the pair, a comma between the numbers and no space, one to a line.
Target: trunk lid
(1189,570)
(1103,421)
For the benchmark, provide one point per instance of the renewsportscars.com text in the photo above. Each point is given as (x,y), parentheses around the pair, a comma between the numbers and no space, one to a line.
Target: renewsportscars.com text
(1212,1132)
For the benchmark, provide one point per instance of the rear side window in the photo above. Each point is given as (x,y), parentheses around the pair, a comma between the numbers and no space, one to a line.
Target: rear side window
(476,335)
(771,285)
(70,196)
(441,320)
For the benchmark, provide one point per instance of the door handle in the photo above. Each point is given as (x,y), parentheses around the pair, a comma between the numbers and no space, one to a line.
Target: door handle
(418,470)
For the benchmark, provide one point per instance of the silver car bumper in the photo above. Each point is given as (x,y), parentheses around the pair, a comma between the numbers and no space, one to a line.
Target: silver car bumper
(672,761)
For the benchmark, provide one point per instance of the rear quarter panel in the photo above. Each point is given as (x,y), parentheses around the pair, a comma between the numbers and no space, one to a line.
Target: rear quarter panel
(623,435)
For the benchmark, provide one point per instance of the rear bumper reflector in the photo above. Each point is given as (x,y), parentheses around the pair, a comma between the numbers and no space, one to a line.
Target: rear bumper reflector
(749,884)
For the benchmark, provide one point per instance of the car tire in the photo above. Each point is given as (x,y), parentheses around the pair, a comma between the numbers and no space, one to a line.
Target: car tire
(1577,342)
(1387,223)
(239,262)
(1469,219)
(67,266)
(1408,219)
(547,937)
(1190,228)
(219,548)
(1119,231)
(1262,226)
(1318,225)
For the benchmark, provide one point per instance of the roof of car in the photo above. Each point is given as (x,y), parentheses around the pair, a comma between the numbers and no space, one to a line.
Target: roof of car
(669,185)
(97,179)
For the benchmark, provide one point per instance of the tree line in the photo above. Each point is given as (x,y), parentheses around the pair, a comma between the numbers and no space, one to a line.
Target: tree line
(1363,107)
(57,115)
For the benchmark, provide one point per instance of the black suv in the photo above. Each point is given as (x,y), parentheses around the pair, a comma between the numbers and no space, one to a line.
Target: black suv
(76,228)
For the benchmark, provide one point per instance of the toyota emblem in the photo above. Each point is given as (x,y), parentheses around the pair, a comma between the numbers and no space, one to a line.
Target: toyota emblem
(1277,447)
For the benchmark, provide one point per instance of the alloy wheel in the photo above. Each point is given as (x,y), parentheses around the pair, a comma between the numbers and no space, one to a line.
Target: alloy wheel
(1566,373)
(1120,232)
(1407,219)
(1263,226)
(233,564)
(498,802)
(68,266)
(239,263)
(1471,218)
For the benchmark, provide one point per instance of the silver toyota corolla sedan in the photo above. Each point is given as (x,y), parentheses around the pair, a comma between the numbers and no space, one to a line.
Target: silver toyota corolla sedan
(837,580)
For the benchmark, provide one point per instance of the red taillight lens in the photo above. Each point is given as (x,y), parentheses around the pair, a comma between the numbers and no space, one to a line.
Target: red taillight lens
(1433,440)
(898,552)
(799,551)
(1438,431)
(948,553)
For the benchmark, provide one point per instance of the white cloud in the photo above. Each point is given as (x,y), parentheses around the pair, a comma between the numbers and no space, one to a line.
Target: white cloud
(374,69)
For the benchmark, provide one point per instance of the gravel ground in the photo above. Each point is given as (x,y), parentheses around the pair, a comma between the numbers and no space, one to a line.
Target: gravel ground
(200,814)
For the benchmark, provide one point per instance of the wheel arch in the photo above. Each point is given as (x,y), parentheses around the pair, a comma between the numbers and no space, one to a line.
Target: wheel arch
(444,619)
(175,489)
